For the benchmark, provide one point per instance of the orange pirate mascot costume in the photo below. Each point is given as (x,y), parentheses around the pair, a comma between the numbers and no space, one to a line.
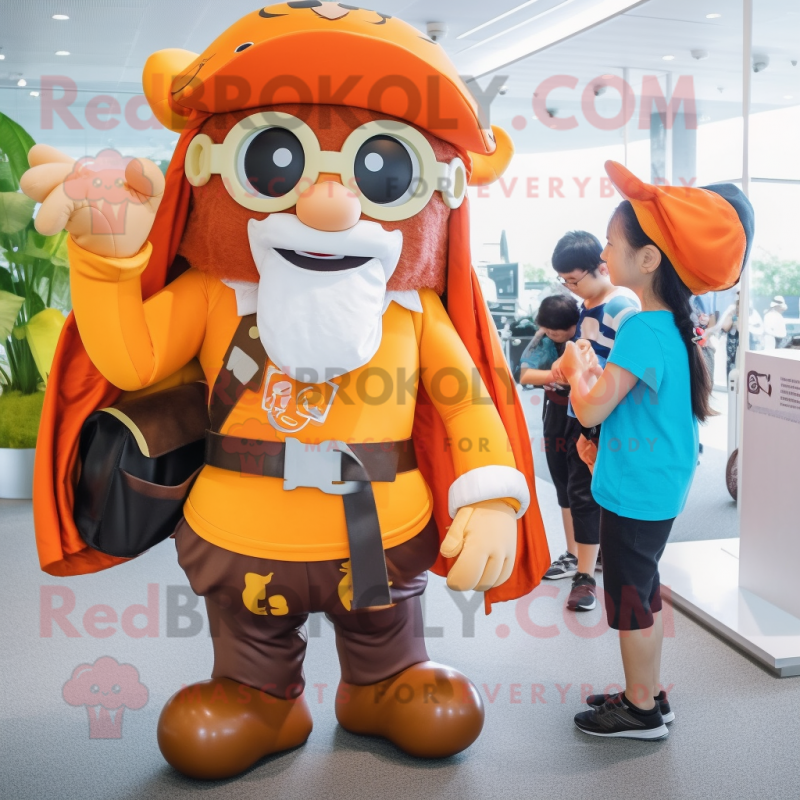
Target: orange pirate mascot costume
(309,255)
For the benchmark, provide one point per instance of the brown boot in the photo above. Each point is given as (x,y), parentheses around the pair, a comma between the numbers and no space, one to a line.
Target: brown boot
(427,710)
(218,728)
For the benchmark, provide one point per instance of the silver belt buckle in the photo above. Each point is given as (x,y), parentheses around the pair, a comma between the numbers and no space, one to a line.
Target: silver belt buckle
(317,466)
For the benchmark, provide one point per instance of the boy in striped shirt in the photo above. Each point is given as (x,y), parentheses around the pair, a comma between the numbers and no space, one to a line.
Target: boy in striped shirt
(580,269)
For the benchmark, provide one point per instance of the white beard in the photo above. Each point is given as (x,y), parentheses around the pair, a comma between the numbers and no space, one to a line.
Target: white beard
(318,325)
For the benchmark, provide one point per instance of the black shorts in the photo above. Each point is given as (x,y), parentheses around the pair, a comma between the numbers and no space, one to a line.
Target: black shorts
(555,445)
(631,550)
(585,512)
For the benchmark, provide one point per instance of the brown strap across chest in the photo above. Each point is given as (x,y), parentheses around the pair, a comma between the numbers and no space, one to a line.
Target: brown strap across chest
(242,369)
(331,466)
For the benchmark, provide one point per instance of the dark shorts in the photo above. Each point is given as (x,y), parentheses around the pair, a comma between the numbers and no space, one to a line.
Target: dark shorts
(257,610)
(555,445)
(585,512)
(631,550)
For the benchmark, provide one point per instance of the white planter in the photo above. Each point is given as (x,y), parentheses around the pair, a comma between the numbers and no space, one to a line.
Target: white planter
(16,473)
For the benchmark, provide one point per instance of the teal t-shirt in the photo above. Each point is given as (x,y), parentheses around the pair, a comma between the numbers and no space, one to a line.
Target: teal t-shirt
(539,354)
(649,444)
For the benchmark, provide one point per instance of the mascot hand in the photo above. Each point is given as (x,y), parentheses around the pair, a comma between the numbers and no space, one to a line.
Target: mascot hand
(107,203)
(484,537)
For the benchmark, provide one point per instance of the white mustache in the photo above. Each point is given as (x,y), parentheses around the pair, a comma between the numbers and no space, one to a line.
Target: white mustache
(287,232)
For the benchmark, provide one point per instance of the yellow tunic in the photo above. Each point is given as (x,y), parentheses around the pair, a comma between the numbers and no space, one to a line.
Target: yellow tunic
(135,345)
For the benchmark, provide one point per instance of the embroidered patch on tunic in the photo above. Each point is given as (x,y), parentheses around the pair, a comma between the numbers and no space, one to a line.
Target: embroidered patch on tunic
(291,406)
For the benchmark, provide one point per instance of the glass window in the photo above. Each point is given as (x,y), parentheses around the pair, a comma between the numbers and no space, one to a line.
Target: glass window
(566,108)
(775,177)
(82,121)
(775,267)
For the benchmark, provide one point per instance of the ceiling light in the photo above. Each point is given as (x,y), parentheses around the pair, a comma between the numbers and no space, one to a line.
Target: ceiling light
(62,52)
(60,16)
(34,94)
(2,57)
(496,19)
(667,58)
(788,96)
(22,82)
(524,22)
(565,28)
(713,16)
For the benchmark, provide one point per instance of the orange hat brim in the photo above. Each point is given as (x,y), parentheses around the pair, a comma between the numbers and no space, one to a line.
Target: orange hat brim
(389,68)
(697,229)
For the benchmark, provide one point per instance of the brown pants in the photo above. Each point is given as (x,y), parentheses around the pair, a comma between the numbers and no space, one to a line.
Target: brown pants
(258,607)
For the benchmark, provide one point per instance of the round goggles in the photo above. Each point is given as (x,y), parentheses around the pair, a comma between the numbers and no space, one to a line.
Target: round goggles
(269,159)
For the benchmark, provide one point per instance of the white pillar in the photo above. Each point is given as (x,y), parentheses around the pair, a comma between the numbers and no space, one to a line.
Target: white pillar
(668,161)
(625,137)
(744,285)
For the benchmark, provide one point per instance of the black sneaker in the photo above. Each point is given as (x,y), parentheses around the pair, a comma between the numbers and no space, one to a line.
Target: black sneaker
(583,596)
(565,566)
(596,700)
(618,719)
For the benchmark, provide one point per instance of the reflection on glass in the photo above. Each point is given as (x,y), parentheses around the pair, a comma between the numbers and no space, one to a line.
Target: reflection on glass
(775,265)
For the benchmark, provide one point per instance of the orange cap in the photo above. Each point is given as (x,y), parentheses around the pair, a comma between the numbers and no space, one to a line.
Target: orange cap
(310,51)
(705,232)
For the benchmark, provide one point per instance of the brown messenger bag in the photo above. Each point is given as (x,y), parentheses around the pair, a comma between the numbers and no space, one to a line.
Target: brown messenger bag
(138,462)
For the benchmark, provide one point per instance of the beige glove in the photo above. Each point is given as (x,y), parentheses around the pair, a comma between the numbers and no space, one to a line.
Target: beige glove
(108,205)
(484,537)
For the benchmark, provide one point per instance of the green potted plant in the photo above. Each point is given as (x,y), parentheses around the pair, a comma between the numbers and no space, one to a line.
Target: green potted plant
(34,296)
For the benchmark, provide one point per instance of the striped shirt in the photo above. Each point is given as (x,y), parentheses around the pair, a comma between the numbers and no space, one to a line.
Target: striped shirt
(600,324)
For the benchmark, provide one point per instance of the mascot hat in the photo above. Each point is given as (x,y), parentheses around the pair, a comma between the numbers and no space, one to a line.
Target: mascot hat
(311,52)
(705,232)
(327,53)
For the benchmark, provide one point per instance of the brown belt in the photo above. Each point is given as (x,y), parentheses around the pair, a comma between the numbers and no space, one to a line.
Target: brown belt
(370,461)
(333,467)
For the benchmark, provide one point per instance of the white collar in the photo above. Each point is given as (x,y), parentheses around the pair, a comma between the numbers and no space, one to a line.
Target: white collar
(247,298)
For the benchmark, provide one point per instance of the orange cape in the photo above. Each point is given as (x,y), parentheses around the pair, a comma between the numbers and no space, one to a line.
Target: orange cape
(76,389)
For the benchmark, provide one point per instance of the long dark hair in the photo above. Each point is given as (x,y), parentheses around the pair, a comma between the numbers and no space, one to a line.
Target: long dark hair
(675,295)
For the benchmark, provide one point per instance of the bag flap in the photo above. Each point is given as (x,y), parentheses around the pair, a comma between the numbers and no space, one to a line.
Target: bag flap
(164,421)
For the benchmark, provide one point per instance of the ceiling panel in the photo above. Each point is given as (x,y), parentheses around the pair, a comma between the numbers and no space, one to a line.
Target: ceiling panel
(109,41)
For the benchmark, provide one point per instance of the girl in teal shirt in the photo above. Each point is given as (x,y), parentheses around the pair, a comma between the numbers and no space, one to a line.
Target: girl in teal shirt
(664,243)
